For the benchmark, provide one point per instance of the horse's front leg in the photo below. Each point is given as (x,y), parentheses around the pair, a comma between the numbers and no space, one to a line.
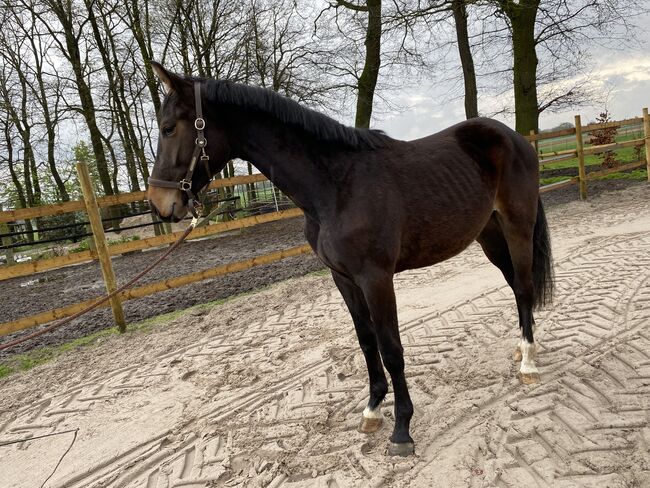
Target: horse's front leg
(377,286)
(372,418)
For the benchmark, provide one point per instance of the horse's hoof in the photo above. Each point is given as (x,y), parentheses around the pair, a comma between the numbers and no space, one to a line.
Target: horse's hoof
(402,449)
(529,378)
(370,425)
(517,355)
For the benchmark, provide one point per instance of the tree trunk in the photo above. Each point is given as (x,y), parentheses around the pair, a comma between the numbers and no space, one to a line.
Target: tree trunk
(522,18)
(252,194)
(464,50)
(20,192)
(35,183)
(368,79)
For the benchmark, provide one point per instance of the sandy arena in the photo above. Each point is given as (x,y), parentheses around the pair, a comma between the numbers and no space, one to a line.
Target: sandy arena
(267,390)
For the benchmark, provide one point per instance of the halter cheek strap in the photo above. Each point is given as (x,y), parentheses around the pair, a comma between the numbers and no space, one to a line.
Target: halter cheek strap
(199,154)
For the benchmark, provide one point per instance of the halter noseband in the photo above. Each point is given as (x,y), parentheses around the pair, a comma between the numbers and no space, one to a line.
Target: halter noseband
(199,153)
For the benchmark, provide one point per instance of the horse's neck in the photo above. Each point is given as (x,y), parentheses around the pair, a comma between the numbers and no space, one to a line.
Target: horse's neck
(286,159)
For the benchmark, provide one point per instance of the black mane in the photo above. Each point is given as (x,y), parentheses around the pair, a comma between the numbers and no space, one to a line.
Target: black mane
(290,112)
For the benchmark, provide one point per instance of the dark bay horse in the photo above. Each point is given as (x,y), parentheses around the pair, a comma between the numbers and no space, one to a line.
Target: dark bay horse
(373,205)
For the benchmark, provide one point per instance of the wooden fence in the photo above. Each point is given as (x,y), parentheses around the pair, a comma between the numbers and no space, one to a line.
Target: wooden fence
(102,251)
(581,150)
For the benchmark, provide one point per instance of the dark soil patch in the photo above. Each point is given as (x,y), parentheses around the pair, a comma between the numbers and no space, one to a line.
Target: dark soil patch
(570,172)
(29,295)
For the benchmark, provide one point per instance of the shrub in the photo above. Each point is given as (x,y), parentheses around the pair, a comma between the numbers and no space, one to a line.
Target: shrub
(605,136)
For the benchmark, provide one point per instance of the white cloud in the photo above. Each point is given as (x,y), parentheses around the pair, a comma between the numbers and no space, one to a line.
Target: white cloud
(625,73)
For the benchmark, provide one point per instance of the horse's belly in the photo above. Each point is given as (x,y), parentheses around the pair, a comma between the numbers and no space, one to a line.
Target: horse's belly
(436,243)
(427,255)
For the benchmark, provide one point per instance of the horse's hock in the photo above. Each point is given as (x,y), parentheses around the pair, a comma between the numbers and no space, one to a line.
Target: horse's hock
(268,390)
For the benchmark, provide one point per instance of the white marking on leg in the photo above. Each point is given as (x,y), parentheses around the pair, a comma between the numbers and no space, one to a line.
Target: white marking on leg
(372,414)
(527,358)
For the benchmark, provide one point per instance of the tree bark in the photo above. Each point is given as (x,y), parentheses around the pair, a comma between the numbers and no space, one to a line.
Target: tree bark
(467,61)
(368,79)
(522,17)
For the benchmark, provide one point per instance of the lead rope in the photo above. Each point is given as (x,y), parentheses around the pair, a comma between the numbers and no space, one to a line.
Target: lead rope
(106,298)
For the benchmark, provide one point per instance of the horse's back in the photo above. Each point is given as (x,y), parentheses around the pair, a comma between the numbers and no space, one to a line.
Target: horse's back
(416,203)
(456,179)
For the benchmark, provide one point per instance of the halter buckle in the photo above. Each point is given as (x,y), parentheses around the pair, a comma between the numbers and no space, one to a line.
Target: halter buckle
(199,123)
(185,185)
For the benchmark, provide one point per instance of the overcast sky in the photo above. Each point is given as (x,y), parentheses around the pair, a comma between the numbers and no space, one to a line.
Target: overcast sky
(625,74)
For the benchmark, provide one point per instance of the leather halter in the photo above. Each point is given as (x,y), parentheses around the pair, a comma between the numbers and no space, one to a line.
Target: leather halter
(199,153)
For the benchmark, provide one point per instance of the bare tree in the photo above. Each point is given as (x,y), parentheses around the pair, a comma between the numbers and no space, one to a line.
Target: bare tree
(459,9)
(561,31)
(369,14)
(68,33)
(46,86)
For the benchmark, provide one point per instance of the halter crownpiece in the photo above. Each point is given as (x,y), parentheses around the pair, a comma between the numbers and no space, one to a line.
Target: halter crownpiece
(199,153)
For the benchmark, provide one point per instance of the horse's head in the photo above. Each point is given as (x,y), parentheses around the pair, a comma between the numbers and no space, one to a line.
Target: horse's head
(192,146)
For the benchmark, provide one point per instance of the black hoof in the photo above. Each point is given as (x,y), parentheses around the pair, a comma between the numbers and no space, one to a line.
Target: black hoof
(403,449)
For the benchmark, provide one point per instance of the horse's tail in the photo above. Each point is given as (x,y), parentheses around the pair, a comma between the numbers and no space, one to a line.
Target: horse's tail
(542,260)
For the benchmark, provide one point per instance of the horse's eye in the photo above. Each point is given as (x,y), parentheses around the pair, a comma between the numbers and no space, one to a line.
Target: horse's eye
(168,130)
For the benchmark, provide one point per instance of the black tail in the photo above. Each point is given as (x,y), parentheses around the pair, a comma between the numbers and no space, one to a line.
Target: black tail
(542,260)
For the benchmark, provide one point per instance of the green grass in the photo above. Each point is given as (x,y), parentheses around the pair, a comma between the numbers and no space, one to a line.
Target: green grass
(5,370)
(639,174)
(31,359)
(569,142)
(625,155)
(634,175)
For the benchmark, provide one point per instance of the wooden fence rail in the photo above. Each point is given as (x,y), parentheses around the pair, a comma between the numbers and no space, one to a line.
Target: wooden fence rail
(25,269)
(150,289)
(110,200)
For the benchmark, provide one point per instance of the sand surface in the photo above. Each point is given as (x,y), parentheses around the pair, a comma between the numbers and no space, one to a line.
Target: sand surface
(267,390)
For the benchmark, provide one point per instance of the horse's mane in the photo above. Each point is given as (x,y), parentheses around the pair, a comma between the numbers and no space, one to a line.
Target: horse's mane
(290,112)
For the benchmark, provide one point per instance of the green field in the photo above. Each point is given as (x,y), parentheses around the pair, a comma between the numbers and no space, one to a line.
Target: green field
(625,155)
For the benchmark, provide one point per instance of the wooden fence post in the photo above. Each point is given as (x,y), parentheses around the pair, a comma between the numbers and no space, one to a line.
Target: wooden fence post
(582,173)
(534,142)
(90,239)
(92,209)
(6,241)
(646,135)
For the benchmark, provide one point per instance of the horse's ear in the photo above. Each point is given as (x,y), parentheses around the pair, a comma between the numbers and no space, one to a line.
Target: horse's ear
(166,78)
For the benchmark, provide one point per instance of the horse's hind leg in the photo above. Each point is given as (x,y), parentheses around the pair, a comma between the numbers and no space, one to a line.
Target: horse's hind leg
(519,235)
(508,243)
(495,248)
(372,418)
